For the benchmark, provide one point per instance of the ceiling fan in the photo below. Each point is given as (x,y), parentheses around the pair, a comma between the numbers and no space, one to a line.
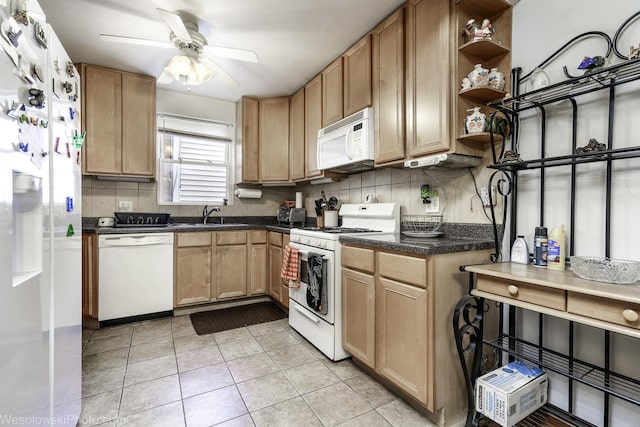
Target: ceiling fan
(194,65)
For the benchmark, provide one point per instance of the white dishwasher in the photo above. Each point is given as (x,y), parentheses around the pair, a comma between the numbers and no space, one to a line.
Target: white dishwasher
(135,274)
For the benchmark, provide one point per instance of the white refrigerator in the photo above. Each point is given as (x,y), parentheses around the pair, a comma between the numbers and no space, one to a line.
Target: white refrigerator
(40,223)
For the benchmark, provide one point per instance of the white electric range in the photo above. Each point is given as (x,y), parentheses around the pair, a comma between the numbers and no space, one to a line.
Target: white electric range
(321,324)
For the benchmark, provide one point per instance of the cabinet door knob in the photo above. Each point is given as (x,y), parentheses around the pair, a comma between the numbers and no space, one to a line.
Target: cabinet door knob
(630,315)
(513,290)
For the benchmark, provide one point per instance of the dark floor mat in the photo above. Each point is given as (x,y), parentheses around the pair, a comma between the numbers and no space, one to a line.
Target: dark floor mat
(208,322)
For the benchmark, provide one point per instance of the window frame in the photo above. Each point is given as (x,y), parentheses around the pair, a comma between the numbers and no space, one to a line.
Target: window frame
(175,125)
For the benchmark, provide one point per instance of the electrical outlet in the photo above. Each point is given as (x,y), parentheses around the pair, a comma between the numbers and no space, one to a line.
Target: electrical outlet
(484,195)
(125,205)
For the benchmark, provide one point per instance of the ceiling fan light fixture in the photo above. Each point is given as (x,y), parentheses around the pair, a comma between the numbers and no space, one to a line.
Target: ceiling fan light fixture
(188,70)
(180,65)
(199,72)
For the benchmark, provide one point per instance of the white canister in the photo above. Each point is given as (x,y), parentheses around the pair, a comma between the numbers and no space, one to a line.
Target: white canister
(106,222)
(330,218)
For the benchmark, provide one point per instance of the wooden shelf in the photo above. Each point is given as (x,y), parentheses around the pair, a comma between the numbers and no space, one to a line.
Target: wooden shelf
(483,93)
(485,8)
(480,137)
(484,49)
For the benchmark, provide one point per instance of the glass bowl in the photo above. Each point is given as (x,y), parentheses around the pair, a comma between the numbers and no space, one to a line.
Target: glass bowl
(609,270)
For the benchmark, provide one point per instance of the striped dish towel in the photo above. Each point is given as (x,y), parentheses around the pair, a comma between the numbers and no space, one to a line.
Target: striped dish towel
(290,263)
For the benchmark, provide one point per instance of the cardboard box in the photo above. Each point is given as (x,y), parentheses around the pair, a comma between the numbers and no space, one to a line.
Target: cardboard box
(511,392)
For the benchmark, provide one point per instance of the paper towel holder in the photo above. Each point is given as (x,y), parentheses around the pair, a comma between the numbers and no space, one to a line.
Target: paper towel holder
(248,193)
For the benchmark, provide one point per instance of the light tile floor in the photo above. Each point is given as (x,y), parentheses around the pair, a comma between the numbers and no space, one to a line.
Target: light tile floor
(160,373)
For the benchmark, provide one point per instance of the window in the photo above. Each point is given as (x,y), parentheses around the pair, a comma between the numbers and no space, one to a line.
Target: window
(196,161)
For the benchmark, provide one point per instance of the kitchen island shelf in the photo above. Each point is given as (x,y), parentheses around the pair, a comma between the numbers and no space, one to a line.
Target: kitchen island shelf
(610,382)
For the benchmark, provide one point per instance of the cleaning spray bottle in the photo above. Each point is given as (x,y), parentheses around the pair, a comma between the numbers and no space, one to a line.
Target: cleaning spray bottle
(556,248)
(520,251)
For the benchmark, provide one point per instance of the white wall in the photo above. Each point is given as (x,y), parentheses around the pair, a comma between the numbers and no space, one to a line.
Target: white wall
(541,27)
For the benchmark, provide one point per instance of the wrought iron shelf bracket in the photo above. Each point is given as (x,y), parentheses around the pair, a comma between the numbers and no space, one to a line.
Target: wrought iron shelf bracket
(590,82)
(590,157)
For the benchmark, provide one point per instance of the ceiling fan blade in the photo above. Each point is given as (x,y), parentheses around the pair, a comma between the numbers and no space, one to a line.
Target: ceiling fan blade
(175,23)
(232,53)
(133,40)
(218,73)
(165,78)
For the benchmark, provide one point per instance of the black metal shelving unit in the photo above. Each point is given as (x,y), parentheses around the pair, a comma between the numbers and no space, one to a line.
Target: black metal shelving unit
(468,321)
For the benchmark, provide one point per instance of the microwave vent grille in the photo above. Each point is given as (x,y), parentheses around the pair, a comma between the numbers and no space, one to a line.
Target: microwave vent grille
(354,118)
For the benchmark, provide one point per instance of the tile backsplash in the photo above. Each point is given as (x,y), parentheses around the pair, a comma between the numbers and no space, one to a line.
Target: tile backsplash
(458,199)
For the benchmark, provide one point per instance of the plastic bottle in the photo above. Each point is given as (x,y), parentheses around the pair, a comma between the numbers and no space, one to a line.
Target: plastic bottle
(519,251)
(556,249)
(540,244)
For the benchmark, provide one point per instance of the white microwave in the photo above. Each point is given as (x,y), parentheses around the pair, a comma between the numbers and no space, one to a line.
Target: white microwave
(347,145)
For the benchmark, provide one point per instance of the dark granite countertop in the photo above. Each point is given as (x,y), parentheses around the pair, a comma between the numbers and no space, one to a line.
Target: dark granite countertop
(455,238)
(190,224)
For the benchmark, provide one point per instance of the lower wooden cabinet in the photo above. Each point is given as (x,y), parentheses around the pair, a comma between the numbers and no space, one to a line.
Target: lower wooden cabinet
(230,264)
(358,320)
(213,266)
(402,355)
(258,268)
(193,255)
(397,310)
(90,275)
(278,289)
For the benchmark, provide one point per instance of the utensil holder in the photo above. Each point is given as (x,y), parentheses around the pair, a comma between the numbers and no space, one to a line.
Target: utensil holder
(330,218)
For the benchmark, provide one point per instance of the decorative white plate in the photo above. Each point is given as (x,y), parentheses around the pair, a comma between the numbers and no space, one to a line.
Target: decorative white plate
(423,234)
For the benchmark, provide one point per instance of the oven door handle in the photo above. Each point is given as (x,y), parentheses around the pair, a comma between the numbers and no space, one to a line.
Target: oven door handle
(306,253)
(305,314)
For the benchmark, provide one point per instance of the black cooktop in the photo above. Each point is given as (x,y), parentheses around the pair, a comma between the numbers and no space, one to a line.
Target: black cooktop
(339,230)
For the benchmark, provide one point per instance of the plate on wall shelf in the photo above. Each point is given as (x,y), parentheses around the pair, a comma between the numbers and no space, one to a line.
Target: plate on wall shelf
(423,234)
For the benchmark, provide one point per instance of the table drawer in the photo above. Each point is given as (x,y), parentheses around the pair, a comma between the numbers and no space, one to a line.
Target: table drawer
(193,239)
(358,258)
(608,310)
(411,270)
(539,295)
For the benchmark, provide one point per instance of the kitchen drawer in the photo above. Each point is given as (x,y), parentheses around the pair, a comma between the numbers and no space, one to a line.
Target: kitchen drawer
(193,239)
(539,295)
(275,239)
(403,268)
(358,258)
(231,238)
(608,310)
(258,236)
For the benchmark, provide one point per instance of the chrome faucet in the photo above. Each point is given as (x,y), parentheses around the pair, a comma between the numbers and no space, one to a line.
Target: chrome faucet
(206,213)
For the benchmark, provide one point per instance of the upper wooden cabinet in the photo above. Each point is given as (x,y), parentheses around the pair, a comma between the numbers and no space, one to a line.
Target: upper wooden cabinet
(346,83)
(389,88)
(357,76)
(297,158)
(332,95)
(274,139)
(428,76)
(312,124)
(119,116)
(247,135)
